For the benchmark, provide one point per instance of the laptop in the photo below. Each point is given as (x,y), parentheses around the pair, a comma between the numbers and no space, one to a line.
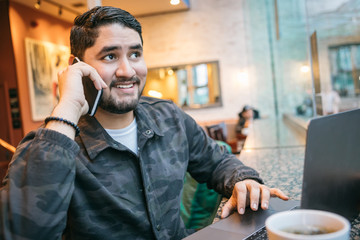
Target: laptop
(331,179)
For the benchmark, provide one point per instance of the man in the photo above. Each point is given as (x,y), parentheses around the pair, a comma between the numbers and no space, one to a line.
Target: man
(122,176)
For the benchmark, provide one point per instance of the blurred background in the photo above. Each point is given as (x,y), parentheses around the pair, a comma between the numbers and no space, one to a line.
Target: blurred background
(297,58)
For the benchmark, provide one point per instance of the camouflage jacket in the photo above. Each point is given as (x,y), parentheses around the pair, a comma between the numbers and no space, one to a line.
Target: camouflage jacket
(95,188)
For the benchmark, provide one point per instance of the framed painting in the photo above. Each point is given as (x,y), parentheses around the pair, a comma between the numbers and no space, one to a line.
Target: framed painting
(44,61)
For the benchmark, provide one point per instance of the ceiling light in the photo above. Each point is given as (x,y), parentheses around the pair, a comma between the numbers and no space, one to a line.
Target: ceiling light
(37,4)
(174,2)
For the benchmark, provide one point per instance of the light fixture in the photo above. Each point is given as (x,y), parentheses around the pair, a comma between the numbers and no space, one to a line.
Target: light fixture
(155,94)
(170,72)
(305,68)
(243,77)
(174,2)
(37,4)
(62,8)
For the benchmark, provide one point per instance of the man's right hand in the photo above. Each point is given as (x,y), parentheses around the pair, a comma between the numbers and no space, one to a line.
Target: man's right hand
(72,104)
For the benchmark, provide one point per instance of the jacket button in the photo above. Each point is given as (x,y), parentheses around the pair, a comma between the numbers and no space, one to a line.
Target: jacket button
(158,227)
(148,132)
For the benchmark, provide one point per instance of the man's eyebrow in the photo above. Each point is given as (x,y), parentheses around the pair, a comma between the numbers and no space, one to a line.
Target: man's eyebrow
(137,47)
(108,49)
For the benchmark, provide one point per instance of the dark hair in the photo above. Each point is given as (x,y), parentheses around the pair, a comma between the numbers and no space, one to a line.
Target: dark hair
(85,30)
(246,107)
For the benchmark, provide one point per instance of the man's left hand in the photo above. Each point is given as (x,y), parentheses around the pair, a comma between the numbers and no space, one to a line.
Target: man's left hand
(250,192)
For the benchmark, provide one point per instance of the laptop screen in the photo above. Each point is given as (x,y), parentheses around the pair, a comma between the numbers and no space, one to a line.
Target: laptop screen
(331,179)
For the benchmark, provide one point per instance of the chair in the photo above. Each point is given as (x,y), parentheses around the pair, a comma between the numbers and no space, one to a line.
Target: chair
(6,153)
(219,132)
(199,204)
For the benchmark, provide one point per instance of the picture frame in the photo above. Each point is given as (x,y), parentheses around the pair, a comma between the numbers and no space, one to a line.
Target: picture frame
(44,60)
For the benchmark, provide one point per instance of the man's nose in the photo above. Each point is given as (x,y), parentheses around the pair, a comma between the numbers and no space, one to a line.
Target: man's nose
(125,69)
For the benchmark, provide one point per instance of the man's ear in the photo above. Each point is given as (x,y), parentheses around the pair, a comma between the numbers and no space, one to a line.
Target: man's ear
(71,59)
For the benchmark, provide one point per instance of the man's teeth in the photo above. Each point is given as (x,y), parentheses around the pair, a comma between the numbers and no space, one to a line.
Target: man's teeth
(125,86)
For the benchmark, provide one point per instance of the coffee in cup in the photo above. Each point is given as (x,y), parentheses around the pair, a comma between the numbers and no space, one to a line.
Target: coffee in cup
(307,224)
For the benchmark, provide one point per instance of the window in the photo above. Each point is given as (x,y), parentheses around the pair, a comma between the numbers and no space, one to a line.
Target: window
(189,86)
(345,69)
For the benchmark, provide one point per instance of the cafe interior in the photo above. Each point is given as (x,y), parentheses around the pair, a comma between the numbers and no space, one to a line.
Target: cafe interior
(288,61)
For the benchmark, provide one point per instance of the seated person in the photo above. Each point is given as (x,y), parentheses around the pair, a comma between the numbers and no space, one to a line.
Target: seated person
(118,174)
(245,117)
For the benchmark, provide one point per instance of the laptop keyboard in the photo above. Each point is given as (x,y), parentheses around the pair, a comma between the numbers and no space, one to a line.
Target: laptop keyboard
(261,234)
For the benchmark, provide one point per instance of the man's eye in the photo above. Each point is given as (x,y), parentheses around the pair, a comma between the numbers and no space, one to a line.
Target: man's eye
(135,55)
(109,57)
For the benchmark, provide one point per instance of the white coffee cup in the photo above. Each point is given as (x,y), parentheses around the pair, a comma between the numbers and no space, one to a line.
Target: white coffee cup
(283,225)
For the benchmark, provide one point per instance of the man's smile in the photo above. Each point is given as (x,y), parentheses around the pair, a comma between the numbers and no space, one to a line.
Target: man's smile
(124,86)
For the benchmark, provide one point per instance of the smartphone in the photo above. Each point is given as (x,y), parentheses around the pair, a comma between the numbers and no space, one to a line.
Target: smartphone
(92,95)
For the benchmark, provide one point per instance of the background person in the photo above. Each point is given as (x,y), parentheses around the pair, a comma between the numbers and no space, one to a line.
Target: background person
(246,116)
(331,101)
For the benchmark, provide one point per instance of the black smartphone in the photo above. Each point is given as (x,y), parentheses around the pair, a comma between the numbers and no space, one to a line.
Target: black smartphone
(92,95)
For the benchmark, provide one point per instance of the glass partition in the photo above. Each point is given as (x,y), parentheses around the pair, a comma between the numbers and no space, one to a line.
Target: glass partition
(336,24)
(279,52)
(306,55)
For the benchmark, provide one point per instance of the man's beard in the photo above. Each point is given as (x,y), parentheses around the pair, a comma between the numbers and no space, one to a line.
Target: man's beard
(119,108)
(112,106)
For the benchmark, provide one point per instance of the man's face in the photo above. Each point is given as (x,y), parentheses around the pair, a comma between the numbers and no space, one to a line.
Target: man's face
(117,55)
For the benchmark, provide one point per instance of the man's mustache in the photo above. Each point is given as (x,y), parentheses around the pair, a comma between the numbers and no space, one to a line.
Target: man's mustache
(134,79)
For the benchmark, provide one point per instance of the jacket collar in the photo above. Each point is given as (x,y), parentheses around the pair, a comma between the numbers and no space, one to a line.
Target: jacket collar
(95,139)
(147,118)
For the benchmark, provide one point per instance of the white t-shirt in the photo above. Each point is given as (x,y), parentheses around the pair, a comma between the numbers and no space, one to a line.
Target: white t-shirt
(126,136)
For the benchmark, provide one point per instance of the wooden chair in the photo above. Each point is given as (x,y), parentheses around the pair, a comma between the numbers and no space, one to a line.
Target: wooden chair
(6,152)
(219,132)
